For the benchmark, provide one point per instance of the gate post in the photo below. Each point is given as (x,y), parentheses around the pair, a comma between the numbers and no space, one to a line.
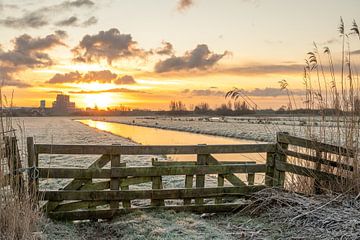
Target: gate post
(280,156)
(32,165)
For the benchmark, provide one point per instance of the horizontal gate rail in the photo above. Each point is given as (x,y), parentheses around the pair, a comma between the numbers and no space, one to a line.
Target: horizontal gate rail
(152,149)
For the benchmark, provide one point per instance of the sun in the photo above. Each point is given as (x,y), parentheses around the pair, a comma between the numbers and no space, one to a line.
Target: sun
(100,100)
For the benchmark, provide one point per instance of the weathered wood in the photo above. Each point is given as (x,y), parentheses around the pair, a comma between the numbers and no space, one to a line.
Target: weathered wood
(80,205)
(182,163)
(307,172)
(125,182)
(279,176)
(157,184)
(149,171)
(200,178)
(15,164)
(114,182)
(5,180)
(106,214)
(221,182)
(189,179)
(317,182)
(95,186)
(317,159)
(270,164)
(231,177)
(81,183)
(178,193)
(312,144)
(251,179)
(152,149)
(31,164)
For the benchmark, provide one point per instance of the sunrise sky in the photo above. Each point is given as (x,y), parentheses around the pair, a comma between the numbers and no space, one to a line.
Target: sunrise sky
(143,53)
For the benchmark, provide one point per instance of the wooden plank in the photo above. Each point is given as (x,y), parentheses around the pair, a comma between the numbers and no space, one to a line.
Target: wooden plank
(317,182)
(307,172)
(189,179)
(279,176)
(318,160)
(200,178)
(114,181)
(182,163)
(251,179)
(312,144)
(232,178)
(157,184)
(106,214)
(31,163)
(149,171)
(80,205)
(178,193)
(221,181)
(125,182)
(5,180)
(270,163)
(95,186)
(152,149)
(81,183)
(14,164)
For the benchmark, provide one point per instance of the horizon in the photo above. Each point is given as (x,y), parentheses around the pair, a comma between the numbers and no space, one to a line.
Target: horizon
(192,51)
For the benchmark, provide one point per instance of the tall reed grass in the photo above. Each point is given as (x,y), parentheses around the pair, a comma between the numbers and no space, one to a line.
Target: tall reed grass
(332,104)
(19,215)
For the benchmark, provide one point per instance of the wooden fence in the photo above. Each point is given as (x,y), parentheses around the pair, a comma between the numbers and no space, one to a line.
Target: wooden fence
(96,192)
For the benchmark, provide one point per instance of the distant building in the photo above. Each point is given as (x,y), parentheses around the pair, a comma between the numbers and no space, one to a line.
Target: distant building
(62,105)
(42,104)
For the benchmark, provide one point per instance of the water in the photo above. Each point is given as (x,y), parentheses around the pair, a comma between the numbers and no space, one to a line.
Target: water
(155,136)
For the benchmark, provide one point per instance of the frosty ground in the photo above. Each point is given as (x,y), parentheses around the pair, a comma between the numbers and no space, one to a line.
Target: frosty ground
(275,215)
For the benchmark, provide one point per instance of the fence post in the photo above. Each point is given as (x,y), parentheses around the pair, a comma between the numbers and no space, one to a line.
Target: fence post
(16,164)
(200,178)
(156,184)
(279,176)
(114,182)
(270,163)
(317,183)
(32,184)
(220,181)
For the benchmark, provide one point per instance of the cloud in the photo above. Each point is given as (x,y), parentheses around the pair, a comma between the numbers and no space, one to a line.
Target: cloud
(264,69)
(104,76)
(71,21)
(27,53)
(41,17)
(74,22)
(7,79)
(199,58)
(166,49)
(30,52)
(108,45)
(270,92)
(257,92)
(184,4)
(126,79)
(66,78)
(203,92)
(112,90)
(91,21)
(28,20)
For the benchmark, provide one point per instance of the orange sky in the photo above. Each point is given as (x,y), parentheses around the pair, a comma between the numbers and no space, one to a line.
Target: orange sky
(143,55)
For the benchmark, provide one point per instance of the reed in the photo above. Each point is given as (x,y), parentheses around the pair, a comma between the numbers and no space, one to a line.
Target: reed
(332,104)
(19,216)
